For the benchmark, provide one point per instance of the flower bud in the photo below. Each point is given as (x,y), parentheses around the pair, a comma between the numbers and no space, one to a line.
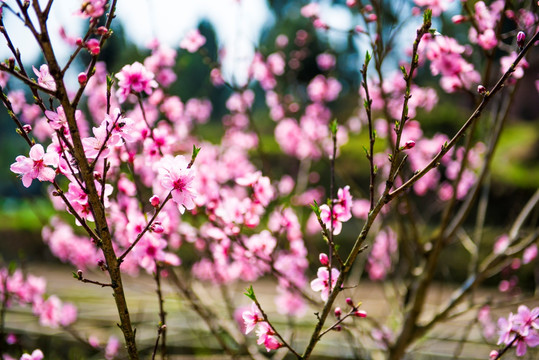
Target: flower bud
(359,29)
(78,41)
(93,46)
(351,3)
(156,227)
(319,24)
(409,145)
(102,30)
(102,265)
(350,302)
(82,77)
(155,201)
(371,18)
(457,19)
(338,328)
(360,313)
(11,63)
(27,128)
(521,37)
(493,354)
(481,90)
(79,274)
(324,260)
(338,312)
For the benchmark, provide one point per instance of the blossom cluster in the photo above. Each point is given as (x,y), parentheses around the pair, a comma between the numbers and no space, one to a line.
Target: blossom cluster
(520,330)
(164,188)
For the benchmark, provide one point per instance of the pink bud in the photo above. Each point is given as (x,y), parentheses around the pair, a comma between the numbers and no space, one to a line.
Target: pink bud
(155,201)
(157,227)
(457,19)
(481,89)
(521,37)
(93,46)
(367,8)
(338,328)
(82,78)
(359,29)
(102,265)
(78,41)
(361,313)
(27,128)
(409,145)
(351,3)
(372,18)
(349,302)
(338,312)
(493,354)
(102,30)
(324,260)
(319,24)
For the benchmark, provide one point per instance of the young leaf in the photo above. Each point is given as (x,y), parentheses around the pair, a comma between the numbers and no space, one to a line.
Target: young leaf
(333,126)
(315,208)
(249,292)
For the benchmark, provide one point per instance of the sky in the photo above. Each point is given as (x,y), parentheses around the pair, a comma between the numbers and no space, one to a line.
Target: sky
(238,25)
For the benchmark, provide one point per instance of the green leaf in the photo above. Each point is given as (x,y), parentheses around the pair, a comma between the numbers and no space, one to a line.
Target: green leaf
(110,81)
(367,58)
(75,275)
(12,267)
(333,126)
(404,73)
(193,156)
(250,293)
(315,208)
(366,151)
(427,16)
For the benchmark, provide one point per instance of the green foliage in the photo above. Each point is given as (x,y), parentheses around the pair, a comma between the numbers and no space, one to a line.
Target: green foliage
(249,292)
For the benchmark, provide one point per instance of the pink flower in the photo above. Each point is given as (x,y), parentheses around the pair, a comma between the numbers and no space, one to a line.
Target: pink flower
(92,8)
(58,119)
(135,78)
(44,77)
(523,327)
(437,6)
(112,348)
(35,167)
(505,327)
(251,318)
(321,283)
(341,210)
(53,312)
(325,61)
(36,355)
(193,41)
(310,10)
(501,244)
(323,89)
(266,336)
(176,177)
(487,39)
(101,143)
(529,254)
(507,61)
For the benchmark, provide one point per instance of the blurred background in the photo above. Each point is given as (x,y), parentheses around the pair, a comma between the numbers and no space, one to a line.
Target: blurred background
(235,30)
